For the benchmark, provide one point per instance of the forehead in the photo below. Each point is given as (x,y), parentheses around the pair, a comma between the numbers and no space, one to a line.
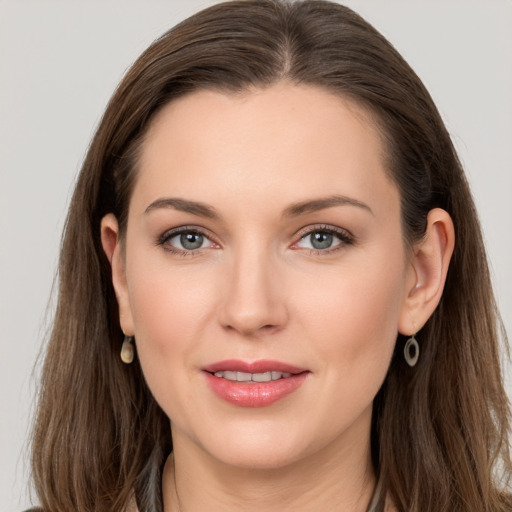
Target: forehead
(285,141)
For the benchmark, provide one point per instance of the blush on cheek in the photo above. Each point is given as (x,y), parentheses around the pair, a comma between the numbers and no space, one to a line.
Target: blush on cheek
(167,312)
(360,320)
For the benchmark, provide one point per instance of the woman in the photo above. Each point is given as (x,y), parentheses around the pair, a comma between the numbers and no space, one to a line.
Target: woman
(273,289)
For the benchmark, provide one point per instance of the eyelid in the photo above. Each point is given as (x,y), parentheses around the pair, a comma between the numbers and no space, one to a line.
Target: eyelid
(346,237)
(171,233)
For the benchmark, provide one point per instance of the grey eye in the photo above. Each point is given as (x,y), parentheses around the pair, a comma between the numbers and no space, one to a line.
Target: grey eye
(191,241)
(321,240)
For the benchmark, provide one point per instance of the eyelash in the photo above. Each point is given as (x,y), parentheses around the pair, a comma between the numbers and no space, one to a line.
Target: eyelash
(163,240)
(345,237)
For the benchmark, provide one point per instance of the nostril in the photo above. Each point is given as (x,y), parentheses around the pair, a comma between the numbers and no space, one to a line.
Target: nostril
(249,311)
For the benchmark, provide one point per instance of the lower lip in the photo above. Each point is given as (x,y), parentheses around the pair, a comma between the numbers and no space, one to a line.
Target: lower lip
(254,394)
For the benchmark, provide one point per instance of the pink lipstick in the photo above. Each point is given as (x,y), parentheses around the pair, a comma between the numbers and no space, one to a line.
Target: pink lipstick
(253,384)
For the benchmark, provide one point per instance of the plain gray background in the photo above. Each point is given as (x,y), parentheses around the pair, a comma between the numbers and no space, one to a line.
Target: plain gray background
(59,63)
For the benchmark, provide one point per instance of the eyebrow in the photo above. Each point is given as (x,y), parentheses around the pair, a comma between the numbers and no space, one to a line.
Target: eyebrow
(322,203)
(184,205)
(294,210)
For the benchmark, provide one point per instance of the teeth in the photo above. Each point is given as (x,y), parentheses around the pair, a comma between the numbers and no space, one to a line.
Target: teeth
(262,377)
(252,377)
(243,377)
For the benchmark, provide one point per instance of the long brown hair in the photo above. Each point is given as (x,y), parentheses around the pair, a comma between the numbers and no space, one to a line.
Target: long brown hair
(440,433)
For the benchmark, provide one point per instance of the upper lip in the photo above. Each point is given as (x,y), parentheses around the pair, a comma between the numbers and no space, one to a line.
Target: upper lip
(261,366)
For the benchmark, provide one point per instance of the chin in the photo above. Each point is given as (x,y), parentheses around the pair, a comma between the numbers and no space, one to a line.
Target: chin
(253,458)
(262,446)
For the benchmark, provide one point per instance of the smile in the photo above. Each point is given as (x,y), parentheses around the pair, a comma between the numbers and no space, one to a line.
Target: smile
(256,384)
(252,377)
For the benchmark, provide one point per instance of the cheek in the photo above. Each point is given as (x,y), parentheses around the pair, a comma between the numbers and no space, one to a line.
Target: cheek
(354,330)
(354,315)
(169,307)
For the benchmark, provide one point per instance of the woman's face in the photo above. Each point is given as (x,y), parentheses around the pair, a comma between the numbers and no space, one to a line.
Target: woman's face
(264,238)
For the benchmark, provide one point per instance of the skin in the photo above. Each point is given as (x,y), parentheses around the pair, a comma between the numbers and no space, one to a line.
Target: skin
(257,289)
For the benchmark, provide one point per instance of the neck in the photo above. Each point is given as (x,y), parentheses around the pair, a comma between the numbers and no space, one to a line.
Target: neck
(336,478)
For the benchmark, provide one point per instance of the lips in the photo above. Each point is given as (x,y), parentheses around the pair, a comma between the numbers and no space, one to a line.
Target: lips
(255,384)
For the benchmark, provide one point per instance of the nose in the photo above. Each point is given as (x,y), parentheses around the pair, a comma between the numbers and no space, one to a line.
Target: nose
(254,299)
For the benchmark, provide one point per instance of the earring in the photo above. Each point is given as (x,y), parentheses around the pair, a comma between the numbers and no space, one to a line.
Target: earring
(127,351)
(412,351)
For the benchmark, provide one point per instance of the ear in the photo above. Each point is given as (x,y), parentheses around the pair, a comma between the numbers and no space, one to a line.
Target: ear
(427,272)
(111,243)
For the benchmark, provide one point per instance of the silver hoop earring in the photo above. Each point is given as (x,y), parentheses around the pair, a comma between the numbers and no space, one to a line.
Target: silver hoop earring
(127,350)
(412,351)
